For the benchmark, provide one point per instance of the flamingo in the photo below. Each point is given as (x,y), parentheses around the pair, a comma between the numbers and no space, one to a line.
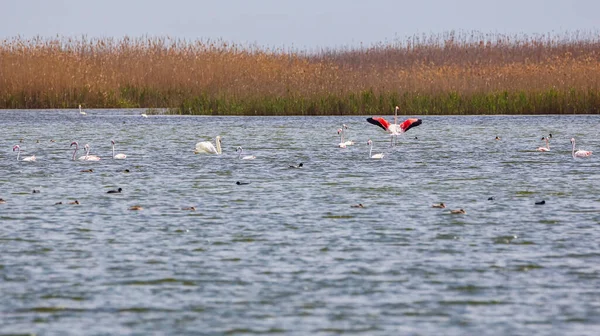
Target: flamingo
(347,142)
(120,156)
(26,159)
(579,153)
(375,156)
(342,144)
(547,148)
(395,129)
(86,157)
(206,147)
(80,111)
(246,157)
(89,157)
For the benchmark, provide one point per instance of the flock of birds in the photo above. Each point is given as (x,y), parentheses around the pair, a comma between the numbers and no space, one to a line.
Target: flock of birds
(206,147)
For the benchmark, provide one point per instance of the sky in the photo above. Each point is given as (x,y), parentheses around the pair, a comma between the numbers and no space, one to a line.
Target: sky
(304,25)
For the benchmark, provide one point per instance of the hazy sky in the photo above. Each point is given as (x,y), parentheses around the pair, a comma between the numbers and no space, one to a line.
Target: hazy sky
(301,24)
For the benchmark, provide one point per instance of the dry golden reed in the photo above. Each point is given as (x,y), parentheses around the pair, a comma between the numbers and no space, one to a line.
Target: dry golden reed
(451,73)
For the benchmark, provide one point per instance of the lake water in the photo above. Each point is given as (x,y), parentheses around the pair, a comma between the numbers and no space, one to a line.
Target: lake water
(287,253)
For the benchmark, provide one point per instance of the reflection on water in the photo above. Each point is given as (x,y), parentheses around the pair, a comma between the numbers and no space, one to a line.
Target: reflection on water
(286,253)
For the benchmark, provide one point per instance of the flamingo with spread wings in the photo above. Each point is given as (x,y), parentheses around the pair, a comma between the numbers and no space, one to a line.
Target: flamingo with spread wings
(395,129)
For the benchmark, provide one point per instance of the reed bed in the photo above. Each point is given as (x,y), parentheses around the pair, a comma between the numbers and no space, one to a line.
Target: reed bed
(450,73)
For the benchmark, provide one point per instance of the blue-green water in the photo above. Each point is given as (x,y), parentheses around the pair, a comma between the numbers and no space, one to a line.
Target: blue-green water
(287,253)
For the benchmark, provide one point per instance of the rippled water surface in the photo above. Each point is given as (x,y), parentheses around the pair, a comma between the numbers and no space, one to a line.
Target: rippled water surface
(287,253)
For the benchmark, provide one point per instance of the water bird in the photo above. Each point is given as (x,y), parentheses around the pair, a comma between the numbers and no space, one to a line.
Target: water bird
(144,115)
(81,111)
(544,149)
(119,156)
(2,201)
(58,203)
(206,147)
(85,157)
(27,158)
(246,157)
(342,143)
(126,171)
(35,191)
(374,156)
(89,157)
(359,205)
(87,170)
(135,207)
(458,212)
(498,138)
(241,183)
(76,202)
(579,153)
(347,142)
(490,198)
(300,165)
(439,205)
(550,135)
(189,208)
(395,129)
(542,202)
(118,191)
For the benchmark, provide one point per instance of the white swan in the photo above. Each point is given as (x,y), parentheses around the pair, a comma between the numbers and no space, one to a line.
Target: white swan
(80,111)
(27,158)
(245,157)
(579,153)
(374,156)
(206,147)
(119,156)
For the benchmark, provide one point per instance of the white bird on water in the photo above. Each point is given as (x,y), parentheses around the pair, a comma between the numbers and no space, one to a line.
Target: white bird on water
(374,156)
(119,156)
(27,158)
(545,149)
(80,111)
(342,143)
(206,147)
(579,153)
(245,157)
(347,142)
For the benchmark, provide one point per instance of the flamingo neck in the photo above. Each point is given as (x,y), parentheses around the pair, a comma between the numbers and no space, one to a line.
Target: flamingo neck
(547,143)
(218,143)
(74,153)
(573,150)
(113,148)
(370,149)
(18,153)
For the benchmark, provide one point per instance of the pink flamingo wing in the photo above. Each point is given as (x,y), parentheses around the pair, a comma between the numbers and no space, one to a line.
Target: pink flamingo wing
(410,123)
(378,121)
